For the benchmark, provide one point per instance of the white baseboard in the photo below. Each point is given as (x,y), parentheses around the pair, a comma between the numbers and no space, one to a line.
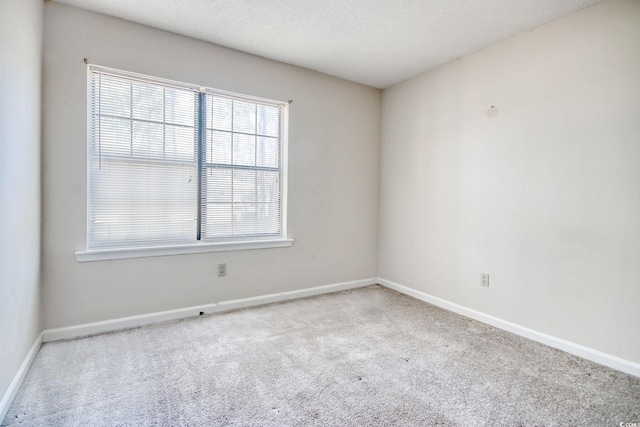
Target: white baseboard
(145,319)
(588,353)
(17,380)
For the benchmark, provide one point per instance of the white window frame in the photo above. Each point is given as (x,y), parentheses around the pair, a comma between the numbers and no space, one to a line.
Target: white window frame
(100,254)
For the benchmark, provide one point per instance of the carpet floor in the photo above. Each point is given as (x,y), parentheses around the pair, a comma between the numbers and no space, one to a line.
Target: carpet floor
(368,356)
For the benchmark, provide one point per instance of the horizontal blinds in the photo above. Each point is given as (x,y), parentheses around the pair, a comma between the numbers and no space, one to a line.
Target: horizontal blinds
(153,164)
(241,171)
(143,169)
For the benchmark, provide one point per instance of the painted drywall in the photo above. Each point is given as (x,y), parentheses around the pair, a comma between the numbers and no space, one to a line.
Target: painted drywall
(333,175)
(20,59)
(545,196)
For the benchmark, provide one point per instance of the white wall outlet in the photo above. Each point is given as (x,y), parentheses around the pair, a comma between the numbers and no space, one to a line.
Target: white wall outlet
(222,270)
(484,279)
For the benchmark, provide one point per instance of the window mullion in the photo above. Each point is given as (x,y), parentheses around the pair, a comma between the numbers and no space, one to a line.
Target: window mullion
(131,119)
(255,172)
(164,122)
(232,170)
(201,129)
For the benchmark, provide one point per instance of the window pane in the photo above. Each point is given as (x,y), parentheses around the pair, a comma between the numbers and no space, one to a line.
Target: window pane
(268,120)
(244,117)
(147,101)
(244,219)
(267,152)
(268,218)
(148,140)
(219,185)
(113,136)
(219,147)
(219,220)
(114,96)
(180,143)
(244,186)
(219,113)
(268,186)
(244,150)
(180,107)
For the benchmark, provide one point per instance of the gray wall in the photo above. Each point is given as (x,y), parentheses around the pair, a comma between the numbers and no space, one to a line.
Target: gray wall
(333,175)
(20,58)
(545,196)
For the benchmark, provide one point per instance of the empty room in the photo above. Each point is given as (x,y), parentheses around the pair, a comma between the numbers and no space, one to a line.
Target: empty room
(344,213)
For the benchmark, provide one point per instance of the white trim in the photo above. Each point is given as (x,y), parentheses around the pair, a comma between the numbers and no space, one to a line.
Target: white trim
(588,353)
(19,378)
(145,319)
(149,251)
(87,153)
(284,171)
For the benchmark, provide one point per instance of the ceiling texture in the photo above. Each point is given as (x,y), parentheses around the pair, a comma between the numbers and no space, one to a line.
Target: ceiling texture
(374,42)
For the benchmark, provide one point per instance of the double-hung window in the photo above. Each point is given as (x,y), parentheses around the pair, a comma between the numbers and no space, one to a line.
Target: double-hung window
(179,166)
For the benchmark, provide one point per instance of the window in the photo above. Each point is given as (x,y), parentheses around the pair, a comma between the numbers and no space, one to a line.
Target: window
(172,164)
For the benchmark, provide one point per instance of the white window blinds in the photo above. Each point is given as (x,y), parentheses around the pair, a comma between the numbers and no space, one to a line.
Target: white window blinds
(176,164)
(242,168)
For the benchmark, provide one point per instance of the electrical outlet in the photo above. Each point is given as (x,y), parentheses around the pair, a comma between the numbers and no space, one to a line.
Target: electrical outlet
(484,279)
(222,270)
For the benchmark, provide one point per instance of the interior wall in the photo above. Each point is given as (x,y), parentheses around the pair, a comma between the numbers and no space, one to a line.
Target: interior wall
(333,175)
(545,196)
(20,59)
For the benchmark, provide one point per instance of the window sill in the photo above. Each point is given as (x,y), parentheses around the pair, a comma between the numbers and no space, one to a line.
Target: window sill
(150,251)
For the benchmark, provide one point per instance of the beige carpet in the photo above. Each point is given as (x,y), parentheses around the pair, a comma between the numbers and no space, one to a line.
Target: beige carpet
(368,356)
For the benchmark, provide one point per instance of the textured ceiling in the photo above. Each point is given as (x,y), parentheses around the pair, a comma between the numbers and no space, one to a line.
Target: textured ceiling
(374,42)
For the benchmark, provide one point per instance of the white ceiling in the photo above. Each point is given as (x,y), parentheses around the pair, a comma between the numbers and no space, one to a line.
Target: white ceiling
(375,42)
